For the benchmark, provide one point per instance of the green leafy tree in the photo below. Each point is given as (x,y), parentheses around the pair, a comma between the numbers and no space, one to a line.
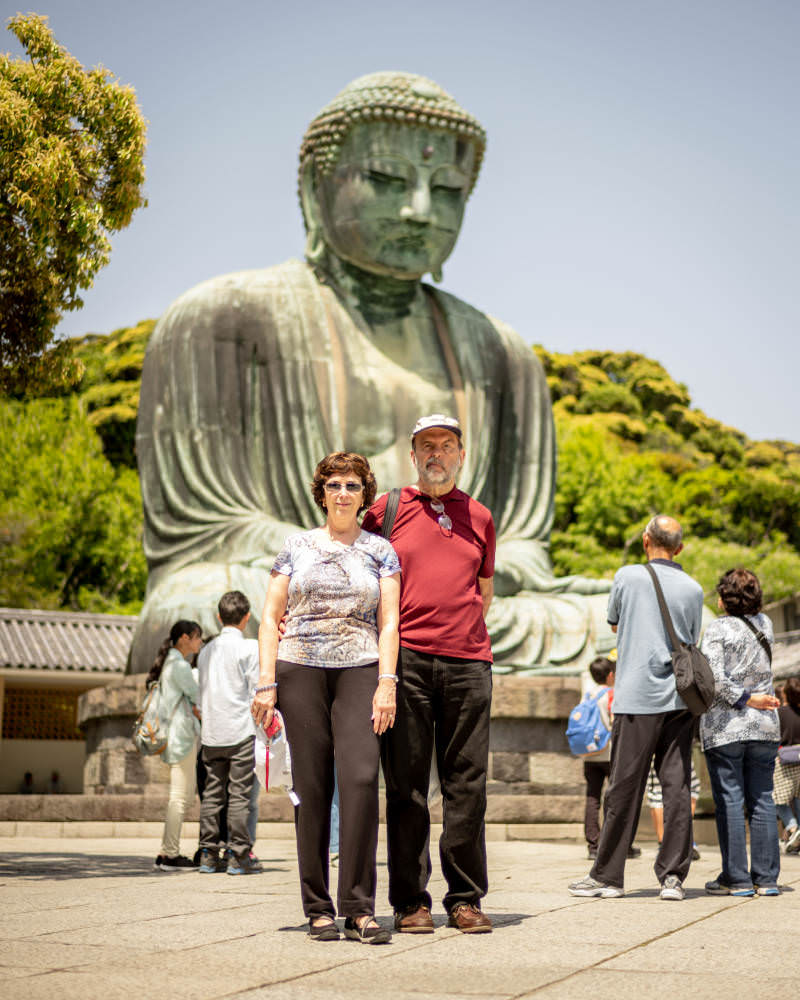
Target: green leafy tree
(776,564)
(609,398)
(631,446)
(70,525)
(110,385)
(71,172)
(606,494)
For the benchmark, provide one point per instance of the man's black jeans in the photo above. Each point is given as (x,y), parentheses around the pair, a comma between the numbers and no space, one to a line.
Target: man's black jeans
(443,703)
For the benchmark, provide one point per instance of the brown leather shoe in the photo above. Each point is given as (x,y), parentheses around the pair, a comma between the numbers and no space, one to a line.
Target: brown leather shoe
(415,920)
(469,919)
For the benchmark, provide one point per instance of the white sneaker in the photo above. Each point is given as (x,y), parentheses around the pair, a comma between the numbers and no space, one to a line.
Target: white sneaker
(793,843)
(671,888)
(591,887)
(767,890)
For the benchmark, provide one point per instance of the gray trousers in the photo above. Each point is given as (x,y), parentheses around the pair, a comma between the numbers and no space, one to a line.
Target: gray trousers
(230,778)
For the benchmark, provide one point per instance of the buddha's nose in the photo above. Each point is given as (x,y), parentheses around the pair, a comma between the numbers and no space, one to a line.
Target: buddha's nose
(418,208)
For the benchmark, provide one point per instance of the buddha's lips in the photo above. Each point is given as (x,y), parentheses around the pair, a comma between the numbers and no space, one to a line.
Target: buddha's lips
(415,236)
(415,241)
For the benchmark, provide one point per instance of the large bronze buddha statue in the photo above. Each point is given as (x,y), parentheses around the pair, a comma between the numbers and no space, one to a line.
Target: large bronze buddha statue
(252,377)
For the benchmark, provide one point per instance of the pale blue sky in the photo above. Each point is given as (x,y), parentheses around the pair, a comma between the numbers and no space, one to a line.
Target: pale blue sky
(639,190)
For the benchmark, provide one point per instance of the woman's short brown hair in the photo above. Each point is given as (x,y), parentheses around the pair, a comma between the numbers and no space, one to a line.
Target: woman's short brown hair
(344,461)
(740,592)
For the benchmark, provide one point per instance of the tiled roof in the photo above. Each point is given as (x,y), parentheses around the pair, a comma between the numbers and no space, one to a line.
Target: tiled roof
(63,640)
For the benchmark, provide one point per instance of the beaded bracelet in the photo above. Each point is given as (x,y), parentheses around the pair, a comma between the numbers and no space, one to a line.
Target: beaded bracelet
(394,677)
(266,687)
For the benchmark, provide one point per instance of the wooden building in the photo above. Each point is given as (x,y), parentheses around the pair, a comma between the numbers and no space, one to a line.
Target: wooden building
(47,660)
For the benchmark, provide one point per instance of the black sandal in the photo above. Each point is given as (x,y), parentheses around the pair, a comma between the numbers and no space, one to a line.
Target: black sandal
(369,932)
(327,931)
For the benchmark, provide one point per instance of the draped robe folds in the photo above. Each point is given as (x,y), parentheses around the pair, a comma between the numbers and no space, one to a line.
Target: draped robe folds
(251,378)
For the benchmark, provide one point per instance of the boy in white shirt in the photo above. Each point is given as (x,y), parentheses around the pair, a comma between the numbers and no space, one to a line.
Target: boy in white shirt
(228,672)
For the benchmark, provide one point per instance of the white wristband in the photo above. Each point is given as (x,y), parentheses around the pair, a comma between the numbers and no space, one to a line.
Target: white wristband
(385,677)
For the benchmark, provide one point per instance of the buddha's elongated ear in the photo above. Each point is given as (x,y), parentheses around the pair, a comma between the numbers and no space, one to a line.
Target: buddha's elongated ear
(309,202)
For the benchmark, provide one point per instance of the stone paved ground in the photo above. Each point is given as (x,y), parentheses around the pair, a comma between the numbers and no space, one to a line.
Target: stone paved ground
(89,919)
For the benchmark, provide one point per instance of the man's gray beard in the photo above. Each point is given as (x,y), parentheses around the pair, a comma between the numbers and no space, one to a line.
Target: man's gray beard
(424,477)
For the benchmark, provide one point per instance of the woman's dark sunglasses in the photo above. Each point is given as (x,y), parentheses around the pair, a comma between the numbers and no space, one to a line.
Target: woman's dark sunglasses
(351,487)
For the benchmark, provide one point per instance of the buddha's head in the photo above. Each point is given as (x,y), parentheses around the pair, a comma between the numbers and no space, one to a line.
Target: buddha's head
(385,172)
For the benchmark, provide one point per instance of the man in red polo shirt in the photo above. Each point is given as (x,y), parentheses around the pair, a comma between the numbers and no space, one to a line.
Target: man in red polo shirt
(446,544)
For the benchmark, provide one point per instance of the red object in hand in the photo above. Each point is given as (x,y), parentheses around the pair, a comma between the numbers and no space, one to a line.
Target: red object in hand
(274,727)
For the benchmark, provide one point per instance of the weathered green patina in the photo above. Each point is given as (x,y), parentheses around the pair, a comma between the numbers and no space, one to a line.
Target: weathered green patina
(252,377)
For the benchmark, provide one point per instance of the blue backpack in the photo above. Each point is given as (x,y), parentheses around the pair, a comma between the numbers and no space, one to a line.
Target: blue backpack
(587,734)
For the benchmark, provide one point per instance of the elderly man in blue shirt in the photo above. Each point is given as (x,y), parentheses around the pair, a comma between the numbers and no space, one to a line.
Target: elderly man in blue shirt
(651,720)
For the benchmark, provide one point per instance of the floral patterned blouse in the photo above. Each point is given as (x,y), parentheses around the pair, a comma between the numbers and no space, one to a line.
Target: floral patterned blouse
(741,667)
(333,598)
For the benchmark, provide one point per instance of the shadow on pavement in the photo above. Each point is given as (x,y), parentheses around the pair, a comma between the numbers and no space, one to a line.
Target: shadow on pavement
(57,866)
(507,919)
(695,893)
(439,922)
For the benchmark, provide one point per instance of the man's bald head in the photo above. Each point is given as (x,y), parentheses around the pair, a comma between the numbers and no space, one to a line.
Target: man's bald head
(665,533)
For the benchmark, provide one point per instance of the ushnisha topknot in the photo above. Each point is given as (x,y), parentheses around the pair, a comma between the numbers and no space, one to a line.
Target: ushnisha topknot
(402,98)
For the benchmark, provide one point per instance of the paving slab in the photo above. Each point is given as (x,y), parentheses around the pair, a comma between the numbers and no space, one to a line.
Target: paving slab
(88,918)
(601,983)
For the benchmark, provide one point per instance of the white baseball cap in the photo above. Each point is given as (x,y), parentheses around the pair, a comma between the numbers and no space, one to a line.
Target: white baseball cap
(437,420)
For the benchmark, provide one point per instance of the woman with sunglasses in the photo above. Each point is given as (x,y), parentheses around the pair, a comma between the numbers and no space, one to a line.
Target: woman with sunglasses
(334,679)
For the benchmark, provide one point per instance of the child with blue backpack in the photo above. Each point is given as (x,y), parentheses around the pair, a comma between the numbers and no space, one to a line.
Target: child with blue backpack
(597,767)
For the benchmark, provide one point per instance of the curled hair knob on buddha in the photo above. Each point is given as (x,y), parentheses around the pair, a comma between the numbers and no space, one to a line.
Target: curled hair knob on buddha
(395,97)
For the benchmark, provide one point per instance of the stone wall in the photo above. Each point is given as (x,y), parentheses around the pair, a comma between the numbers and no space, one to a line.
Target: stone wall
(532,776)
(113,766)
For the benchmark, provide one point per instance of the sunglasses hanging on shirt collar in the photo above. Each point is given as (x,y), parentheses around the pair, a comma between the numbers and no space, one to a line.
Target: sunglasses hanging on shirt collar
(443,520)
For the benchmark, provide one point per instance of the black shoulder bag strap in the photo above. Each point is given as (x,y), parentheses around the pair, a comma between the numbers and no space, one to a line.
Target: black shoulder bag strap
(390,513)
(673,635)
(759,635)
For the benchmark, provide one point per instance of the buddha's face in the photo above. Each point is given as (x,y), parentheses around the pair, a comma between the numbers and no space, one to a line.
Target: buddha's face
(394,203)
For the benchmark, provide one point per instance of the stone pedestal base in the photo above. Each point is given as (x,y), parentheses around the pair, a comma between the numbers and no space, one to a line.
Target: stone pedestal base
(532,776)
(113,765)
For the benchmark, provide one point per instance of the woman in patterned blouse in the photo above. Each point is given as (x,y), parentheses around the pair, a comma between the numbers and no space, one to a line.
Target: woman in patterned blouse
(334,680)
(740,735)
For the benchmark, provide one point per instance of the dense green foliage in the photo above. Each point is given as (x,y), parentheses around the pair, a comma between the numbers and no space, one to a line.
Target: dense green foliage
(71,172)
(109,386)
(630,446)
(70,523)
